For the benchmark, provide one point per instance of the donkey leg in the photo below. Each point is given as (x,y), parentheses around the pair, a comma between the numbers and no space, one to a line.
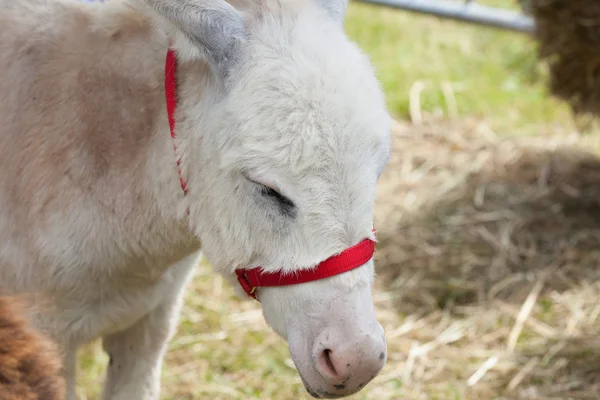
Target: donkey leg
(70,370)
(136,354)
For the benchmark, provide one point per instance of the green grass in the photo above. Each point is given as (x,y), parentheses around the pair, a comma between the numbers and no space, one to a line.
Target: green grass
(493,75)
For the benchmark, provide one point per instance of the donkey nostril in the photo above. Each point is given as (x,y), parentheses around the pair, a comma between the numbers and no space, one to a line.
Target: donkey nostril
(327,364)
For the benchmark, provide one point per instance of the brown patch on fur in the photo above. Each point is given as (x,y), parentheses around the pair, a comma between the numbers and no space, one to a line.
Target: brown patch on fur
(94,97)
(29,362)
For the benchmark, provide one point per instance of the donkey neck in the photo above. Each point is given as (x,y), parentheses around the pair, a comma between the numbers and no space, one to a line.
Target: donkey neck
(135,146)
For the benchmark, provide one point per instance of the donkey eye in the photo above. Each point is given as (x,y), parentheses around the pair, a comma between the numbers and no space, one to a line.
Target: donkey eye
(274,194)
(286,206)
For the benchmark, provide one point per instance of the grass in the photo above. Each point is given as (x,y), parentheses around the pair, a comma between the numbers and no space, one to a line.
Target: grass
(491,79)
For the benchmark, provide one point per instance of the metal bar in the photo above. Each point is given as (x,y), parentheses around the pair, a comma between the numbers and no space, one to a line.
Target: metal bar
(468,11)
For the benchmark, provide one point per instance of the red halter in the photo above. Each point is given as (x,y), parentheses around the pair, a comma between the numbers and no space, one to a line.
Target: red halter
(171,98)
(250,279)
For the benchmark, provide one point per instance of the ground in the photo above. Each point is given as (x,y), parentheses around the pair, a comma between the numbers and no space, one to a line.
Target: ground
(488,285)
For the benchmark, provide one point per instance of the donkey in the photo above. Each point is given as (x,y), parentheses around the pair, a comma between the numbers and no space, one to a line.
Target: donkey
(138,135)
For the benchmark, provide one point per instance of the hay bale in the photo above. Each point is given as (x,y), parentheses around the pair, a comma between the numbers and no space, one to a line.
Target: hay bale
(568,32)
(490,254)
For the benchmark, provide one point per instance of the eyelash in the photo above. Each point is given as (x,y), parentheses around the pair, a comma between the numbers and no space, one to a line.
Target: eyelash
(269,192)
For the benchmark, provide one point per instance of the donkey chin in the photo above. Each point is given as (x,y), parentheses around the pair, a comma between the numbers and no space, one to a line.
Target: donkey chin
(334,338)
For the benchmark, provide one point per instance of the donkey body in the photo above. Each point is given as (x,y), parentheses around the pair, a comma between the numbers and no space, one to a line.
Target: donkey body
(282,133)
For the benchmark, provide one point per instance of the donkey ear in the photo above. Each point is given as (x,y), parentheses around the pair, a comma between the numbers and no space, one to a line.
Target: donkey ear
(215,26)
(335,8)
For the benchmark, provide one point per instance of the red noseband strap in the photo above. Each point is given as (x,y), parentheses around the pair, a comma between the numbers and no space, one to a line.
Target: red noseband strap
(349,259)
(250,279)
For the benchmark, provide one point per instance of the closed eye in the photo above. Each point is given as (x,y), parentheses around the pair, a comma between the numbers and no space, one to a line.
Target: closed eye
(274,194)
(286,206)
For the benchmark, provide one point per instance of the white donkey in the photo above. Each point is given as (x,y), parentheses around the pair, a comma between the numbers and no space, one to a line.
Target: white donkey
(280,132)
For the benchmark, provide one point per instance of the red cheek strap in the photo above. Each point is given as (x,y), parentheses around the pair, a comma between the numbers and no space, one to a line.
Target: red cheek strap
(349,259)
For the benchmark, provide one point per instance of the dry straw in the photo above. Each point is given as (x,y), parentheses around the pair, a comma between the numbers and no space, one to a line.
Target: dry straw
(490,253)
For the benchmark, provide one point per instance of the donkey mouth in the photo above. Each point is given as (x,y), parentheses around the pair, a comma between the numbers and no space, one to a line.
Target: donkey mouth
(317,394)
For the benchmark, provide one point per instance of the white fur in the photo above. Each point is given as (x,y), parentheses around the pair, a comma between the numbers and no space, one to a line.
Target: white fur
(109,250)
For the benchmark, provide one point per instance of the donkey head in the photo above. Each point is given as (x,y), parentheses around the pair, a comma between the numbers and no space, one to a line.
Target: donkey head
(282,151)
